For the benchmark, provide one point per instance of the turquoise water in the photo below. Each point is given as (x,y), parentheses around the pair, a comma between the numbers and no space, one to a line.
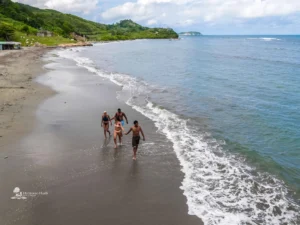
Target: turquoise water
(237,97)
(246,88)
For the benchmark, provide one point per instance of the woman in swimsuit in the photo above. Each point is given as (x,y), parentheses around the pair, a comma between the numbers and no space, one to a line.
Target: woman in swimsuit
(118,132)
(105,123)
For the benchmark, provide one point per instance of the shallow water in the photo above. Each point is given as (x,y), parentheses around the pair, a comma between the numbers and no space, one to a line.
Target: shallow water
(230,107)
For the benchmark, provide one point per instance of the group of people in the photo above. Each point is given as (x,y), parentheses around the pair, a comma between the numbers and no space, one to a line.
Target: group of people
(119,129)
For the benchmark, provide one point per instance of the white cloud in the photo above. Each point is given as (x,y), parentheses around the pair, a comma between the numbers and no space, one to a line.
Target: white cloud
(186,12)
(129,9)
(80,6)
(151,22)
(229,14)
(186,22)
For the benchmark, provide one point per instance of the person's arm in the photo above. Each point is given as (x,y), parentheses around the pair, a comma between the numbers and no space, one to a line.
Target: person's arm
(142,134)
(125,117)
(114,118)
(102,122)
(110,120)
(129,131)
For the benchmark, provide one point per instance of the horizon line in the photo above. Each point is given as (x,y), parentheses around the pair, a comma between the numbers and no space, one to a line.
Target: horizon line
(237,34)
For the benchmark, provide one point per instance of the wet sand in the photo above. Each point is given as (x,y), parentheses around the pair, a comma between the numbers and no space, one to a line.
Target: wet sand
(77,175)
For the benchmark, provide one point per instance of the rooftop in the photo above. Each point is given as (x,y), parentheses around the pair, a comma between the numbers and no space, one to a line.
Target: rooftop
(9,42)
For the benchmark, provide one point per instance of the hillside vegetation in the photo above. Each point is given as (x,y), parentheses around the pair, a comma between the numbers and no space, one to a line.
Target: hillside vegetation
(21,23)
(190,33)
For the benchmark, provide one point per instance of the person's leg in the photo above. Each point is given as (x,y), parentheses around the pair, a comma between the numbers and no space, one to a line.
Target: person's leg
(120,138)
(115,139)
(104,129)
(134,152)
(108,129)
(135,144)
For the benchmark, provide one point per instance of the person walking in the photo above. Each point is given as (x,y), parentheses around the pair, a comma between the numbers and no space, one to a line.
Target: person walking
(105,123)
(118,132)
(136,130)
(120,116)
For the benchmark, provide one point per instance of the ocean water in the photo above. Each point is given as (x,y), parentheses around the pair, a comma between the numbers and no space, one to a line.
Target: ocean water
(230,105)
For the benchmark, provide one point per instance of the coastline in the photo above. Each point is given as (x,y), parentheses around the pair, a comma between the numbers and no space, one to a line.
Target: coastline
(127,67)
(20,95)
(65,155)
(68,127)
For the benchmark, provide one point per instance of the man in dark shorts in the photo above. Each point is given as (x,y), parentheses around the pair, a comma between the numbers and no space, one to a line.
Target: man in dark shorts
(119,116)
(136,129)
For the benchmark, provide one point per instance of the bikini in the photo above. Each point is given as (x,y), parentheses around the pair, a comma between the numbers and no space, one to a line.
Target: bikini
(105,119)
(118,126)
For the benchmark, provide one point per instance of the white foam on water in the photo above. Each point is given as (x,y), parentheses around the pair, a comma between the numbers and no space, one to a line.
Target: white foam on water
(220,188)
(265,39)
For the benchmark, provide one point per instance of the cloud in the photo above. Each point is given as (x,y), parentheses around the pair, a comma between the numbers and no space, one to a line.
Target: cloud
(186,22)
(187,12)
(79,6)
(151,22)
(129,9)
(211,16)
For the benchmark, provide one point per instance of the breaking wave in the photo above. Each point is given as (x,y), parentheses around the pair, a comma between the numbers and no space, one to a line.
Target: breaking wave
(220,187)
(265,39)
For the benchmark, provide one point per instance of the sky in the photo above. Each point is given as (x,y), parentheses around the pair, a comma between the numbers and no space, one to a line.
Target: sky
(211,17)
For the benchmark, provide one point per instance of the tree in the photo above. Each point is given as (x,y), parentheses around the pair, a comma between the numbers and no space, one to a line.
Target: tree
(6,32)
(67,28)
(25,29)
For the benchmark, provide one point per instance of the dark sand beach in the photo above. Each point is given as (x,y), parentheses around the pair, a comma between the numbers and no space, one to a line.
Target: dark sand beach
(76,175)
(19,95)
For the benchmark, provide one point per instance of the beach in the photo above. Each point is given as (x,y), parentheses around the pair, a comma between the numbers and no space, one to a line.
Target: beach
(19,95)
(54,151)
(221,139)
(228,114)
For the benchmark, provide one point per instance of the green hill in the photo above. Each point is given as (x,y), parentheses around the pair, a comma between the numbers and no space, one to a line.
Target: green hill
(21,22)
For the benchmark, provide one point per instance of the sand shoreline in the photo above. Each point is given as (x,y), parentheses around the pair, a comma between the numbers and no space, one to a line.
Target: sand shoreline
(20,95)
(66,156)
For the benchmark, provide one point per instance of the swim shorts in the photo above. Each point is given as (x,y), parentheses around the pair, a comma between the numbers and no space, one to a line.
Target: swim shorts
(135,141)
(122,122)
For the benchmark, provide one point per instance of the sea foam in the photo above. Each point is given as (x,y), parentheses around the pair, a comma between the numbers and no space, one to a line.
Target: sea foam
(220,187)
(265,39)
